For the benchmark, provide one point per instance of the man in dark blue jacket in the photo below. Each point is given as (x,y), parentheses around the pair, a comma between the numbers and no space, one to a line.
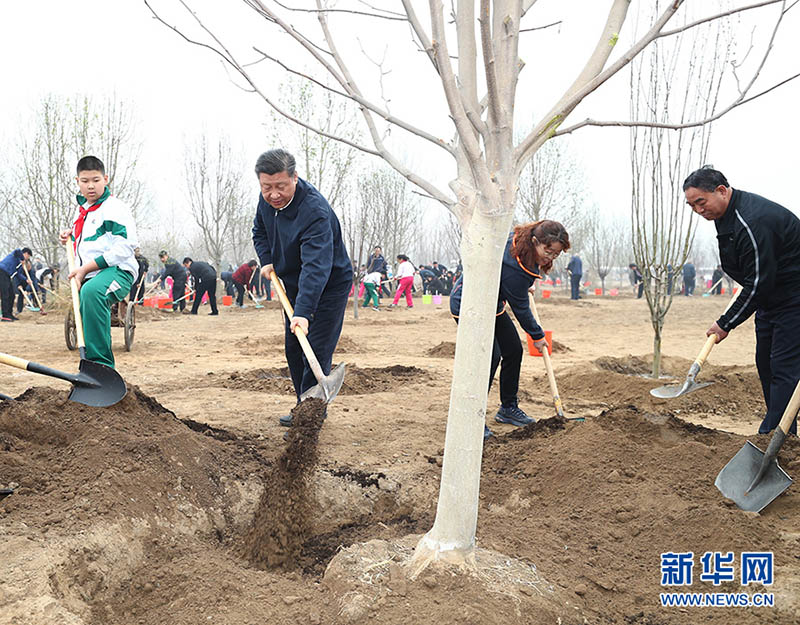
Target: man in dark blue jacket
(759,247)
(297,234)
(8,267)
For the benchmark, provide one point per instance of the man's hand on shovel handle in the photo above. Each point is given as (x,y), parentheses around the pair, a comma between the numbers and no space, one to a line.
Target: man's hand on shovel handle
(299,322)
(715,329)
(540,344)
(266,270)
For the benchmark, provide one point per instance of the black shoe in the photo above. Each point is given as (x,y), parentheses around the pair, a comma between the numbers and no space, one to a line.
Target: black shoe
(487,433)
(212,314)
(8,319)
(513,415)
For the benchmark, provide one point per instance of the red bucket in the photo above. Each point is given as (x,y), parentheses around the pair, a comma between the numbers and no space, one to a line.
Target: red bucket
(548,336)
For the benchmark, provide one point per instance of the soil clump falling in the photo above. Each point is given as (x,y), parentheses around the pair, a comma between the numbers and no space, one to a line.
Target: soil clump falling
(282,522)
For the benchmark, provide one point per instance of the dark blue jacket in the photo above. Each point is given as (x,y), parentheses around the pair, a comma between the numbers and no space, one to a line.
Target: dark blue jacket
(303,242)
(377,263)
(575,266)
(689,272)
(759,247)
(9,263)
(514,283)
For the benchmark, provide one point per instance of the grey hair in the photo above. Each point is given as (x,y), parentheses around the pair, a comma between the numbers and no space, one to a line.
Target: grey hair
(274,162)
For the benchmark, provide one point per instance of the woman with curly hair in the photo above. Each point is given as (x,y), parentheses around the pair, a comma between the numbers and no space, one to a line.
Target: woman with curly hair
(529,253)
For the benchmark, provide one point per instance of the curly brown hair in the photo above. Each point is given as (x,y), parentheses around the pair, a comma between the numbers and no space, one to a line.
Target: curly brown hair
(546,232)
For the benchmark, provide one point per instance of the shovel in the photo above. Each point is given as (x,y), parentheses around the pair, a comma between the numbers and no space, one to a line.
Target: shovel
(5,492)
(328,385)
(5,397)
(671,391)
(752,479)
(28,301)
(35,293)
(550,375)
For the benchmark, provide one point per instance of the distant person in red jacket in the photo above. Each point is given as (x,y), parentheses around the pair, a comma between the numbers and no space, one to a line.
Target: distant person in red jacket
(241,280)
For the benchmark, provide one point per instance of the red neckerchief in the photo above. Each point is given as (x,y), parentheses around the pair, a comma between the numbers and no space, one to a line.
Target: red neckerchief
(78,225)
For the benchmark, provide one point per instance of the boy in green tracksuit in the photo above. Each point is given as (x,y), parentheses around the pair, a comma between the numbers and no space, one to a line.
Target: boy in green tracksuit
(104,241)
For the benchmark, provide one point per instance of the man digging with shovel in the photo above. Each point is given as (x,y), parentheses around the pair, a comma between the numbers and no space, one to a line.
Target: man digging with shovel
(298,237)
(759,247)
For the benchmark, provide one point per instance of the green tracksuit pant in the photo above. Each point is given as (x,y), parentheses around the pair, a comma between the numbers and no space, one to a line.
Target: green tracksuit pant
(97,294)
(371,294)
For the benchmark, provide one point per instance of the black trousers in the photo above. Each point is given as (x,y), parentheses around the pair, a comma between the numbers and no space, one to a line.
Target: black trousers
(323,334)
(506,352)
(239,293)
(178,291)
(6,294)
(778,360)
(201,288)
(137,291)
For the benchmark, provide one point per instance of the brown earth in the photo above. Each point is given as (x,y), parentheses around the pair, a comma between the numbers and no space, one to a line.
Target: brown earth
(183,504)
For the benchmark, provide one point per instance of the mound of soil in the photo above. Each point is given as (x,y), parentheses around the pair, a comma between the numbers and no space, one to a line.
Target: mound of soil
(346,345)
(75,464)
(623,381)
(269,380)
(594,504)
(258,346)
(445,349)
(357,380)
(360,381)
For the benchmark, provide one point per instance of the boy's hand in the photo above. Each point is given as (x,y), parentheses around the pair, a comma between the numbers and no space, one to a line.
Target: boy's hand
(299,322)
(63,236)
(79,274)
(266,270)
(540,344)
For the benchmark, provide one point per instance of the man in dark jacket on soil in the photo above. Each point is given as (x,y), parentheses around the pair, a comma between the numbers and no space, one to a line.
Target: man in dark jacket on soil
(178,274)
(205,281)
(759,247)
(297,234)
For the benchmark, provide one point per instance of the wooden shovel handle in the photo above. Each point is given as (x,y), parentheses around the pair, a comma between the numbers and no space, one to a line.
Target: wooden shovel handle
(791,411)
(301,337)
(13,361)
(35,294)
(548,366)
(76,302)
(712,340)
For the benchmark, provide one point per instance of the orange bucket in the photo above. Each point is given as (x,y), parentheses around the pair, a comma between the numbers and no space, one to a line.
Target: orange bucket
(164,302)
(548,336)
(545,294)
(227,300)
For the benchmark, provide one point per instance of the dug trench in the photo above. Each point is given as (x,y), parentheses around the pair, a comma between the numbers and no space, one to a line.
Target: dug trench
(130,515)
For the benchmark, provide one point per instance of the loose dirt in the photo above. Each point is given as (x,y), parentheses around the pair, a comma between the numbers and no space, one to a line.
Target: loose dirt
(183,504)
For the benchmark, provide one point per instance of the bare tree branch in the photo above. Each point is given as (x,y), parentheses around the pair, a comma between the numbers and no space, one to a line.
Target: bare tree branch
(710,18)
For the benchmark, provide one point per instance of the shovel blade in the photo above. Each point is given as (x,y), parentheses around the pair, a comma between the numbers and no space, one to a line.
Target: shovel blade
(97,385)
(671,391)
(736,477)
(328,387)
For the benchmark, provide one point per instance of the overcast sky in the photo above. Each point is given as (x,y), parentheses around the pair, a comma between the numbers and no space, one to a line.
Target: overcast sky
(178,90)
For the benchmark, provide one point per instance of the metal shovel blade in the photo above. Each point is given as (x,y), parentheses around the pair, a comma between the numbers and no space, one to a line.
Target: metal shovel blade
(736,477)
(5,492)
(328,387)
(97,385)
(676,390)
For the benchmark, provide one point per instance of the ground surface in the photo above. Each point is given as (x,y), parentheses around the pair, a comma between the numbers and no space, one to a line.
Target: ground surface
(144,513)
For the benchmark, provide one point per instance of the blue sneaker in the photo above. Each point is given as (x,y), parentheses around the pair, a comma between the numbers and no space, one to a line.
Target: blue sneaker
(513,415)
(487,433)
